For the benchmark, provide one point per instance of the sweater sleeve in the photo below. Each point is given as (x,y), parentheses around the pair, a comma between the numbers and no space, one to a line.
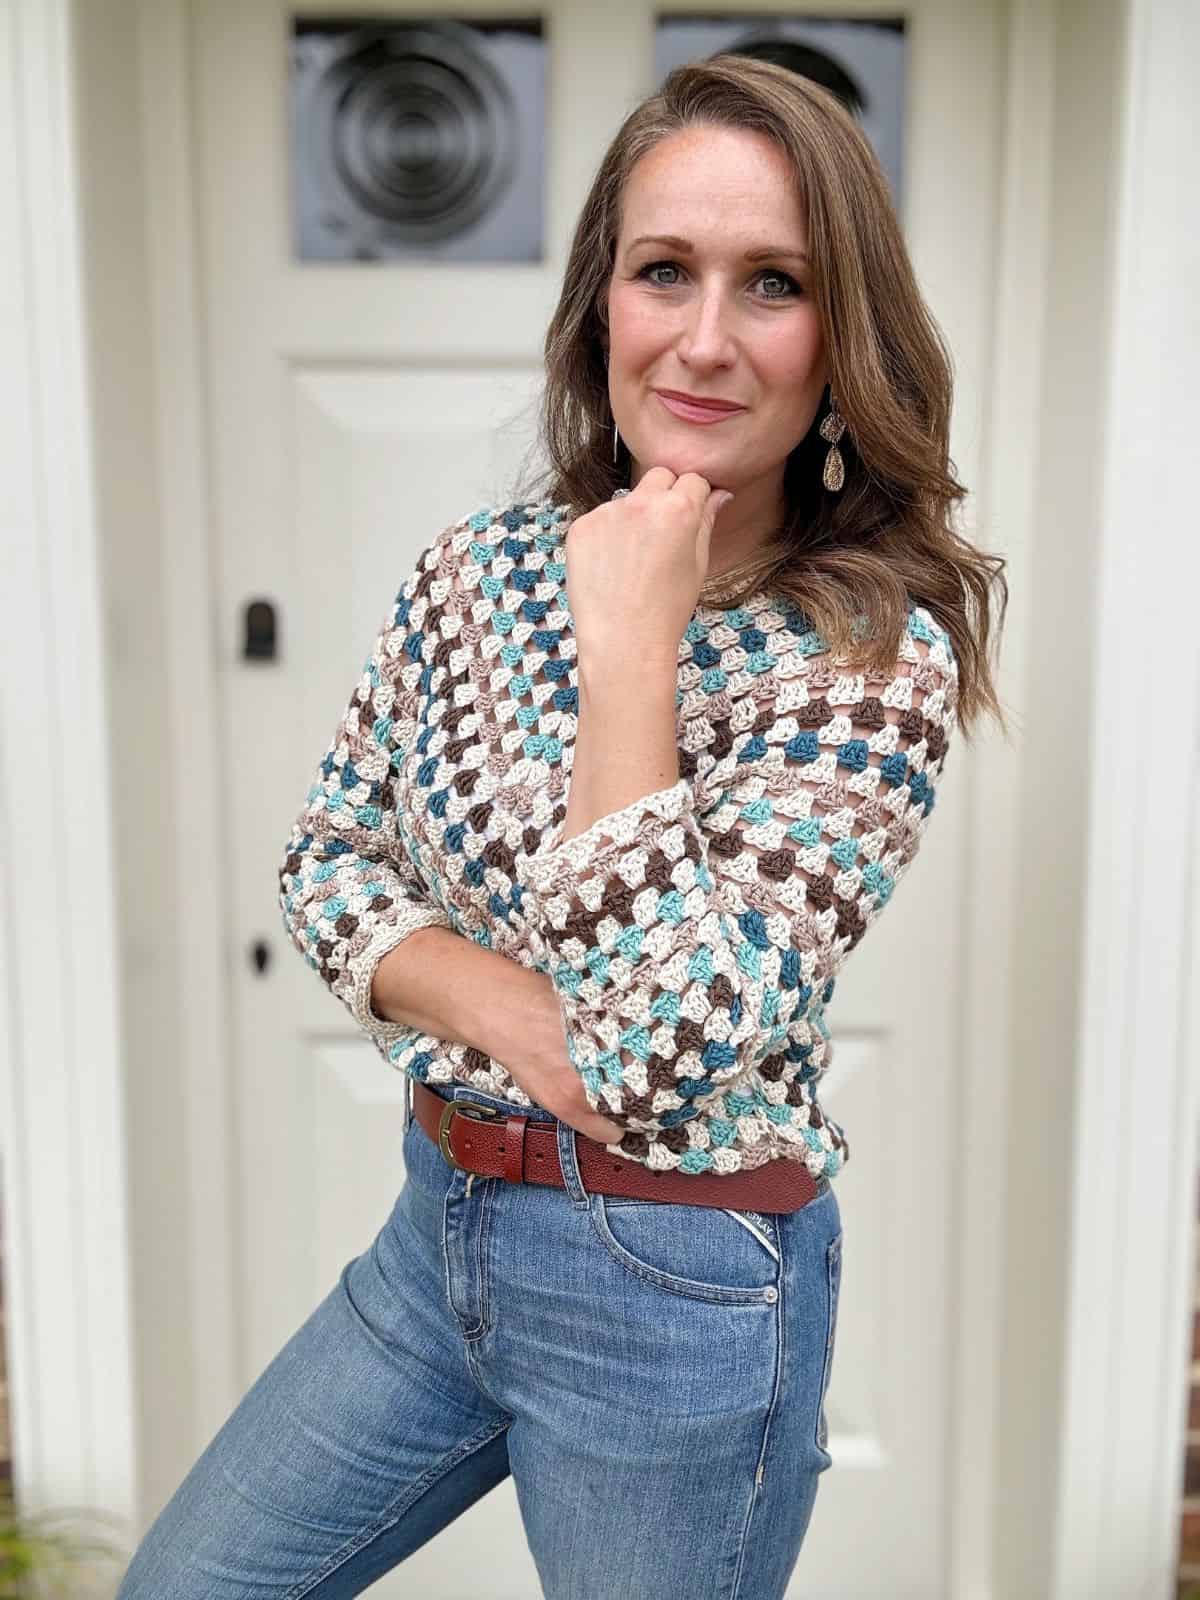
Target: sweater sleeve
(348,889)
(686,945)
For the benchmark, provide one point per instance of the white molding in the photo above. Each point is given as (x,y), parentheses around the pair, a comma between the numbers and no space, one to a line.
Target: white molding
(61,1080)
(1134,1155)
(190,631)
(1007,514)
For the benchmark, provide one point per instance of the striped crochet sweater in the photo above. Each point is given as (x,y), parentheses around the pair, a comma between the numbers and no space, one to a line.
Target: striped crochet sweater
(693,937)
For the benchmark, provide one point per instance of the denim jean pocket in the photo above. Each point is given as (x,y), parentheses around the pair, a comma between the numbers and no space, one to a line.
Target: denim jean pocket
(701,1252)
(833,1276)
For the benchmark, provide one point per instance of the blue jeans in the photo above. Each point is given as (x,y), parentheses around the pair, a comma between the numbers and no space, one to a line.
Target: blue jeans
(653,1376)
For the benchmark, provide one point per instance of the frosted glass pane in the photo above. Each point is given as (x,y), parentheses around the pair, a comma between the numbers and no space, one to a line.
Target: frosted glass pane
(863,62)
(417,138)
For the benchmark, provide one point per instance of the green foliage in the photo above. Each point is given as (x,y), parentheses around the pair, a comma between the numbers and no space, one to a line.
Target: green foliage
(57,1555)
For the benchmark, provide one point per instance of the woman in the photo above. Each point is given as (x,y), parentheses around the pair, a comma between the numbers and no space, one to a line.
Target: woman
(738,617)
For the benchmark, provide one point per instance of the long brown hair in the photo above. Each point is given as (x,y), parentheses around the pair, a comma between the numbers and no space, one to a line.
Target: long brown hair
(886,540)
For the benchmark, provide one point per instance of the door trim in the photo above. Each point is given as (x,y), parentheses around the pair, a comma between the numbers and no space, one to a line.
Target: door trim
(1131,1245)
(190,629)
(1009,464)
(66,1224)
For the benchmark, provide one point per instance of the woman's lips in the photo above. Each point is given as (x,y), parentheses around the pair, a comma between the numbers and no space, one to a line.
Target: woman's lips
(692,412)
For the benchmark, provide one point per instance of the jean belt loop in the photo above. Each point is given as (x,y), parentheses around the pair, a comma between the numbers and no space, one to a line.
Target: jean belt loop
(569,1163)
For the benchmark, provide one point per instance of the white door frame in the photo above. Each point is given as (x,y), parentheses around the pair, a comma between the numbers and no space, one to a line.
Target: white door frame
(66,1236)
(190,629)
(1127,1339)
(1009,467)
(69,1306)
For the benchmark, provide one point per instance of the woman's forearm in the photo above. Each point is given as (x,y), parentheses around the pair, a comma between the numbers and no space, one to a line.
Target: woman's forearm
(453,988)
(625,744)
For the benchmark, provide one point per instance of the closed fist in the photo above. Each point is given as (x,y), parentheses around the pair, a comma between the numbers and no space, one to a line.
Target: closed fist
(636,565)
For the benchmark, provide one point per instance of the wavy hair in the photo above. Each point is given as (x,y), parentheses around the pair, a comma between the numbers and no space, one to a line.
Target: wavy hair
(886,540)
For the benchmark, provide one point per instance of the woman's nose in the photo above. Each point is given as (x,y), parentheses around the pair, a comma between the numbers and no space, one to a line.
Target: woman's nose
(706,339)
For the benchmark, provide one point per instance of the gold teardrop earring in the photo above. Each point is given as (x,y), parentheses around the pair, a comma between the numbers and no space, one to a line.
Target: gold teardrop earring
(831,430)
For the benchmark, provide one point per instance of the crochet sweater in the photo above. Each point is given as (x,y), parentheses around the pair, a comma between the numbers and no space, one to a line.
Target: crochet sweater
(694,935)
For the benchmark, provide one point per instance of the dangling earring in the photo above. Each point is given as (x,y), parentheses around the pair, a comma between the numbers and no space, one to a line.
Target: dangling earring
(832,429)
(616,436)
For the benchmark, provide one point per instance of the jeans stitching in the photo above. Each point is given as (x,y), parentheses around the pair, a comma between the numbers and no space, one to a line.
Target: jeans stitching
(744,1219)
(833,1253)
(756,1487)
(411,1493)
(482,1234)
(472,1359)
(686,1288)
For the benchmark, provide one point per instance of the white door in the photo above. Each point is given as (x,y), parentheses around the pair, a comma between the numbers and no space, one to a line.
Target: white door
(356,408)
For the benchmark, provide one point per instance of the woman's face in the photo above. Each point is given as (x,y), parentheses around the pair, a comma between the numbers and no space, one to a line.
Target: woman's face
(709,297)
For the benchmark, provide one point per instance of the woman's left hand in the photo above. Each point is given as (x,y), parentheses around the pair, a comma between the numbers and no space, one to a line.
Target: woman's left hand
(539,1063)
(640,562)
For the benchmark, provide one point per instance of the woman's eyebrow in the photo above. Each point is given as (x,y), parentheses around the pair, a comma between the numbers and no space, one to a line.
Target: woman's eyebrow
(684,246)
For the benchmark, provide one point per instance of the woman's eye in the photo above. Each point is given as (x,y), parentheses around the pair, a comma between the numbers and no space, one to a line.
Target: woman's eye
(790,285)
(658,266)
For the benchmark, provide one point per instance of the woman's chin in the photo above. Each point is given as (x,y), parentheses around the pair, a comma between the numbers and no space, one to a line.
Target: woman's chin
(707,463)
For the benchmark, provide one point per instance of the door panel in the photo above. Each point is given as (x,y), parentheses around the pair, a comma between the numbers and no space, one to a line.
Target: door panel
(356,408)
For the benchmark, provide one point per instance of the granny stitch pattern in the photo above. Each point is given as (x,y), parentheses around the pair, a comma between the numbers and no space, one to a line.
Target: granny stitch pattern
(694,936)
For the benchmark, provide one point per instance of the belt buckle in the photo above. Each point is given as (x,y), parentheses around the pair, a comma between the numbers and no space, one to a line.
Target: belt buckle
(474,1113)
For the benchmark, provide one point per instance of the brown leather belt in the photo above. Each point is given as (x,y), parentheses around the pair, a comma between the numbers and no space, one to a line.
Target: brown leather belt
(483,1140)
